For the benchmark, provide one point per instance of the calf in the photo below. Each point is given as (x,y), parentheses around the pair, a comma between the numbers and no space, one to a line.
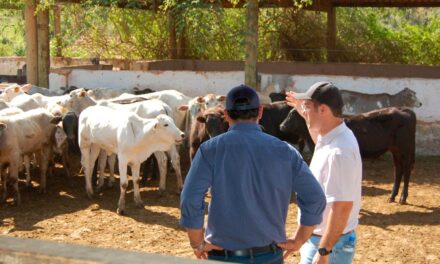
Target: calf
(123,133)
(273,115)
(208,124)
(357,103)
(150,109)
(24,134)
(377,132)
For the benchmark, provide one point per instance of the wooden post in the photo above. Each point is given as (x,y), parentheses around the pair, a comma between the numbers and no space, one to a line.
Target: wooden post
(331,34)
(31,43)
(43,48)
(172,40)
(57,29)
(251,44)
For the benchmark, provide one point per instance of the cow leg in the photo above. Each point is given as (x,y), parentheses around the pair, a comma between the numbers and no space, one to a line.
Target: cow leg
(66,164)
(123,185)
(162,160)
(397,176)
(94,153)
(13,179)
(88,169)
(102,161)
(407,168)
(111,164)
(175,162)
(43,160)
(27,165)
(135,170)
(4,175)
(144,169)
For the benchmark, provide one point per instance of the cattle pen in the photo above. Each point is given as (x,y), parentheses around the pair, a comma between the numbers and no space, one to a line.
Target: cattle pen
(64,225)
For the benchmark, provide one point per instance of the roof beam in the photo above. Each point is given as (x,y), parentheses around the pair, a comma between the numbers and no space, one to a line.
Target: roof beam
(386,3)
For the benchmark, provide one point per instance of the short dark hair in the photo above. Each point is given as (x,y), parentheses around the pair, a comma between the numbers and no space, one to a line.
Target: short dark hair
(243,114)
(336,109)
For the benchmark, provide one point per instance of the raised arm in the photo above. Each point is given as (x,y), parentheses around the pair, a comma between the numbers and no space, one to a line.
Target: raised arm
(298,105)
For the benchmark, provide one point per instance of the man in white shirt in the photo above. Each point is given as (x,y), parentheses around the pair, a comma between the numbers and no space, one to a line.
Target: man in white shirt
(337,166)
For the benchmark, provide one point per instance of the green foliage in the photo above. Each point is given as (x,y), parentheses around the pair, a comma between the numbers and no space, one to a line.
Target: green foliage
(11,33)
(368,35)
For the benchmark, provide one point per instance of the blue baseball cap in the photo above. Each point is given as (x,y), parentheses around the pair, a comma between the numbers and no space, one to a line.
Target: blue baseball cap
(242,98)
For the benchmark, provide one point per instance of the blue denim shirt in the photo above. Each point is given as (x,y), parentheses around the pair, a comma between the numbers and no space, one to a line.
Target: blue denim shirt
(252,176)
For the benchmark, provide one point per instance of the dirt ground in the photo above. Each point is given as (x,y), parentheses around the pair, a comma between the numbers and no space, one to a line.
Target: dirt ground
(388,233)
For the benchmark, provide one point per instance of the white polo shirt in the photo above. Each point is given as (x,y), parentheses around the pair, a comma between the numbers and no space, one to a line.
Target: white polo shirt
(337,165)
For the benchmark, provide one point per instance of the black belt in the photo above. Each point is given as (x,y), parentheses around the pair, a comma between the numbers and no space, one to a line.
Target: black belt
(245,252)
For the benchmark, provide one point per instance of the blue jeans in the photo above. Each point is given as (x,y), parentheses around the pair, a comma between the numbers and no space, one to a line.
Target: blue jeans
(266,258)
(343,251)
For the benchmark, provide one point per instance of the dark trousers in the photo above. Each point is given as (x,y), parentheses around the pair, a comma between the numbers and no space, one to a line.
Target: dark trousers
(266,258)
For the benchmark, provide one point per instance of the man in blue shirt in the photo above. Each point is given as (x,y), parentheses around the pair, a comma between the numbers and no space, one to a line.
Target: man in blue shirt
(252,176)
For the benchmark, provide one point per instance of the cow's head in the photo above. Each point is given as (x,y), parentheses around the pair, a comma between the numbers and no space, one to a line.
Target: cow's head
(212,100)
(167,131)
(408,98)
(11,92)
(214,120)
(77,101)
(292,123)
(70,127)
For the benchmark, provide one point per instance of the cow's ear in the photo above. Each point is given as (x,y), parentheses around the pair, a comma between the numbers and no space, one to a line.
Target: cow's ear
(201,119)
(183,108)
(25,88)
(200,99)
(2,127)
(221,98)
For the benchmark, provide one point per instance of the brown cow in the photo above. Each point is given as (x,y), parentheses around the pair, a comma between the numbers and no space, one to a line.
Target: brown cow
(209,124)
(377,132)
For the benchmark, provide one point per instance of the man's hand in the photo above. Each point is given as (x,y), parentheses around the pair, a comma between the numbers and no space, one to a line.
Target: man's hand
(291,100)
(289,246)
(318,259)
(295,103)
(201,251)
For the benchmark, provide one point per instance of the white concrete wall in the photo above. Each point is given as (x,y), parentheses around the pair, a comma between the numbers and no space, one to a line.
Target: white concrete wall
(199,83)
(190,83)
(9,65)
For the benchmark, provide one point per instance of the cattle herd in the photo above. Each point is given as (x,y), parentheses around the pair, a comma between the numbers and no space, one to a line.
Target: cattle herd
(100,126)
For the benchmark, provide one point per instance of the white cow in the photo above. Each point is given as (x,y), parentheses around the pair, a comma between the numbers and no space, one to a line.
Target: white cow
(26,133)
(129,136)
(145,109)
